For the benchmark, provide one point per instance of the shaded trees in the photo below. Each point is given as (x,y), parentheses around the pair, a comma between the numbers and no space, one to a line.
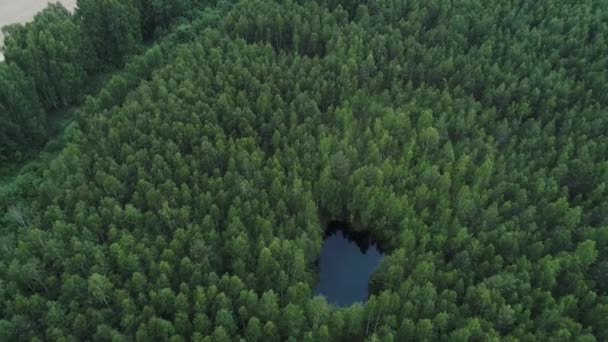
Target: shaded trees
(52,51)
(112,26)
(21,113)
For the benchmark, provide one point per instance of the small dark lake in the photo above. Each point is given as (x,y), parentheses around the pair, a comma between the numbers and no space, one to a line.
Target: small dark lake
(346,264)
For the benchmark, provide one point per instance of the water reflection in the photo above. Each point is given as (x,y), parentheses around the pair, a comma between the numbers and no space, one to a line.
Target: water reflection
(346,264)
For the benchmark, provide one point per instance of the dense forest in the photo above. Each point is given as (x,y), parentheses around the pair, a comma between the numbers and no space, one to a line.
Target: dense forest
(207,143)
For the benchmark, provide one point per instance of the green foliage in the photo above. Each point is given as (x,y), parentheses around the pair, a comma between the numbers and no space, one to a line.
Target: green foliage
(57,58)
(53,52)
(468,138)
(23,120)
(112,26)
(158,14)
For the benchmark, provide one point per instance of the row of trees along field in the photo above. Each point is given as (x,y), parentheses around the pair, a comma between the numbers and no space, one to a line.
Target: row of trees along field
(53,61)
(468,137)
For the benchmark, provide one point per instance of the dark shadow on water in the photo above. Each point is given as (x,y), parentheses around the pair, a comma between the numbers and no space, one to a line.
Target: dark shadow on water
(363,239)
(346,263)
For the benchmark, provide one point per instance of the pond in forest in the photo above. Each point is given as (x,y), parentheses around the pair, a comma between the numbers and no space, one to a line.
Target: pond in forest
(346,264)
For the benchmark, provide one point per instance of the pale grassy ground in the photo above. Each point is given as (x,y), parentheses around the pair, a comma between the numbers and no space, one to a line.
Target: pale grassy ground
(19,11)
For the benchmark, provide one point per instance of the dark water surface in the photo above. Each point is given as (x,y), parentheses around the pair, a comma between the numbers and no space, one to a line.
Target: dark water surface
(346,263)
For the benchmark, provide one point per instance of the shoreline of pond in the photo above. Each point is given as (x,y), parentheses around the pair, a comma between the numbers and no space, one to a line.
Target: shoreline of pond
(346,264)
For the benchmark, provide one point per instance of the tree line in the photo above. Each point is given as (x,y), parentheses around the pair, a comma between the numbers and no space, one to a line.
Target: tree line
(54,61)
